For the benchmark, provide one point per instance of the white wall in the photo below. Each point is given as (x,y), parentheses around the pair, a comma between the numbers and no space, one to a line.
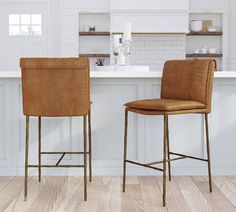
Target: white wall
(48,45)
(232,36)
(62,20)
(232,27)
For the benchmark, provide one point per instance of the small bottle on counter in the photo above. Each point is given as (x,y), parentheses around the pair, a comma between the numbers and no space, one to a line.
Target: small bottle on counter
(121,59)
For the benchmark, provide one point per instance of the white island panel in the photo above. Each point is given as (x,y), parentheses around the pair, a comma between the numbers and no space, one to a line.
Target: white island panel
(108,94)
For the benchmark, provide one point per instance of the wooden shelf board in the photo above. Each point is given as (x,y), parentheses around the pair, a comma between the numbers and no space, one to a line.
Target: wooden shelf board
(151,33)
(94,55)
(204,55)
(205,34)
(94,33)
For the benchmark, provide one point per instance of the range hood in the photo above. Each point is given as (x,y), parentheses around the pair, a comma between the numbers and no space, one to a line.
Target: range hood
(151,23)
(150,16)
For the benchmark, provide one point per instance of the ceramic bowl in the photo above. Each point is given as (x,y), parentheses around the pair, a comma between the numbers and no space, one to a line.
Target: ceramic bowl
(212,50)
(196,26)
(196,51)
(204,50)
(212,29)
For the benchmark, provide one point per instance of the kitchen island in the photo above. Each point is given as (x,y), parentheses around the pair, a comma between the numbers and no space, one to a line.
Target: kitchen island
(109,91)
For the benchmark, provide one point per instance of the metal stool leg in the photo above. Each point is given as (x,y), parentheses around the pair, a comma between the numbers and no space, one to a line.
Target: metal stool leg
(164,159)
(208,152)
(39,147)
(85,158)
(125,149)
(26,157)
(168,150)
(90,147)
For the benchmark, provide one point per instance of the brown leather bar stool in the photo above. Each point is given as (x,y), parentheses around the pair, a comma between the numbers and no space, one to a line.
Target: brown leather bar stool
(186,89)
(55,87)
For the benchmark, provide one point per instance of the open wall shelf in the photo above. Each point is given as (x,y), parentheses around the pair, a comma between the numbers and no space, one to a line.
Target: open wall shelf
(94,55)
(94,33)
(204,55)
(205,34)
(198,40)
(94,44)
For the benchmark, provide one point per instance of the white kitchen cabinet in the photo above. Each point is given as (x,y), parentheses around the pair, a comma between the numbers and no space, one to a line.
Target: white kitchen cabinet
(109,91)
(5,122)
(149,5)
(208,5)
(165,4)
(125,4)
(231,36)
(69,34)
(88,4)
(153,23)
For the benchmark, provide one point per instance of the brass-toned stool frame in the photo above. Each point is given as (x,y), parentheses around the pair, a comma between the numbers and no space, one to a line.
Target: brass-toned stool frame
(166,151)
(57,165)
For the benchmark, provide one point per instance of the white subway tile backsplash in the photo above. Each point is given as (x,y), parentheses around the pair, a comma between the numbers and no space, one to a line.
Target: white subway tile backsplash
(231,66)
(154,50)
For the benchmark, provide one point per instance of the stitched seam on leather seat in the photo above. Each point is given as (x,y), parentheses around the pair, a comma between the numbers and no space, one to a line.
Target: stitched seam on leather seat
(174,109)
(208,81)
(166,110)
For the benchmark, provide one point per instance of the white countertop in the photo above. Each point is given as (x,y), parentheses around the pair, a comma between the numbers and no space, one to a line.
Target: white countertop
(123,74)
(113,68)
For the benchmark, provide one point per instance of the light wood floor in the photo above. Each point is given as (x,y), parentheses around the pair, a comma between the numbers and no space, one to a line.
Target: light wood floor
(104,194)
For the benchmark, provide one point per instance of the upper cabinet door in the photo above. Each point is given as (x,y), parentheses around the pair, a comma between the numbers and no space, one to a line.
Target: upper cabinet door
(151,23)
(208,5)
(86,4)
(125,4)
(165,4)
(149,4)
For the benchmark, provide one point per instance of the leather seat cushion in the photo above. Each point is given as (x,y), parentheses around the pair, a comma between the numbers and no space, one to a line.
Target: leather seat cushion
(165,105)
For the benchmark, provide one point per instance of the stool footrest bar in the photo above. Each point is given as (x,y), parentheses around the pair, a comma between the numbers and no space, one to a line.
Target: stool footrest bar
(58,153)
(55,166)
(144,165)
(58,162)
(161,161)
(187,156)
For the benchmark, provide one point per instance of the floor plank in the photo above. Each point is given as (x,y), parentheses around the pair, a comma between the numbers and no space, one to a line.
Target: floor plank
(14,187)
(94,192)
(132,180)
(5,200)
(18,202)
(10,191)
(174,199)
(110,198)
(192,195)
(216,199)
(132,199)
(50,190)
(227,187)
(151,193)
(69,196)
(60,194)
(4,181)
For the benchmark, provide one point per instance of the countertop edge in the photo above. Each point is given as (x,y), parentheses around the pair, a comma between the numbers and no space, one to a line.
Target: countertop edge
(122,74)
